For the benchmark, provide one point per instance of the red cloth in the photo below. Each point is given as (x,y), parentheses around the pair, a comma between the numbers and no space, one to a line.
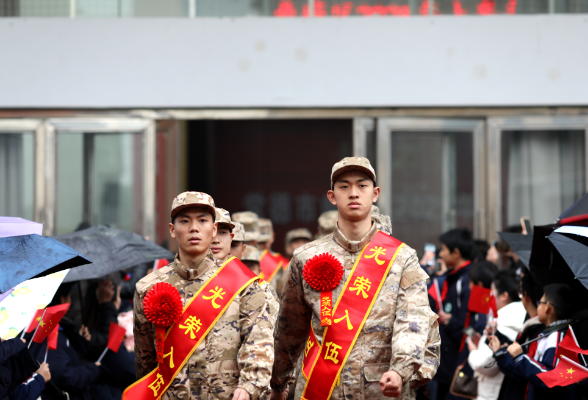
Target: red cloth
(160,263)
(566,373)
(116,334)
(493,306)
(435,294)
(52,339)
(50,322)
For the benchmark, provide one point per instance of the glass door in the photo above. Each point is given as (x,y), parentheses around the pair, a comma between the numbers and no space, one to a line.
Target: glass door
(537,167)
(104,174)
(431,175)
(17,167)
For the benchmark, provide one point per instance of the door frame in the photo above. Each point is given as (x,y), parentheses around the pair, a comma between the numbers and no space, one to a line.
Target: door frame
(143,126)
(387,125)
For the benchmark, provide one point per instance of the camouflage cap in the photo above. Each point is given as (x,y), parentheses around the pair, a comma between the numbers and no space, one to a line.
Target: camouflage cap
(224,218)
(265,230)
(251,253)
(352,164)
(191,199)
(327,222)
(300,233)
(250,222)
(239,232)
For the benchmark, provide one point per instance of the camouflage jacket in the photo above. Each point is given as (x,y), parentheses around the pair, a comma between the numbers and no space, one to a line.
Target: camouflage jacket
(395,333)
(237,352)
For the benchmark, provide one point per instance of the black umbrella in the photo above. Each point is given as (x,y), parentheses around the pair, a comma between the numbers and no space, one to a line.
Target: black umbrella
(577,214)
(110,250)
(548,263)
(520,244)
(572,251)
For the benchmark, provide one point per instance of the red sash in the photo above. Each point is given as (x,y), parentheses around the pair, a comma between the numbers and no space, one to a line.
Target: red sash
(350,313)
(198,318)
(284,260)
(269,265)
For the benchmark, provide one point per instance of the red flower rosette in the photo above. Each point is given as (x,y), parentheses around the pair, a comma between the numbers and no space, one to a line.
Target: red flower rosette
(163,307)
(323,273)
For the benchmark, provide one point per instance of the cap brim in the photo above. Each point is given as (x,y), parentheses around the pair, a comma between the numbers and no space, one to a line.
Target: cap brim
(232,226)
(210,208)
(352,168)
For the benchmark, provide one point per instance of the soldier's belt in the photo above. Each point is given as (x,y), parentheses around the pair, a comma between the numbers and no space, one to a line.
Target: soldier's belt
(269,265)
(323,363)
(198,318)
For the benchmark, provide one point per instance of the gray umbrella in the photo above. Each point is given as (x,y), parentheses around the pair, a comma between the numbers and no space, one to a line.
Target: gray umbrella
(520,244)
(110,250)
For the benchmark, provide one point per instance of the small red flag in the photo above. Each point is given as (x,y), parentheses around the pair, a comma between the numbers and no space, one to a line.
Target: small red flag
(566,373)
(479,300)
(569,346)
(35,321)
(493,305)
(52,339)
(116,334)
(50,322)
(283,259)
(160,263)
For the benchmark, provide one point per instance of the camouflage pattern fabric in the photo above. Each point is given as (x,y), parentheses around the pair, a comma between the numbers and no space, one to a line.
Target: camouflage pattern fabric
(250,221)
(190,199)
(327,222)
(237,352)
(395,334)
(352,164)
(298,234)
(265,229)
(383,221)
(239,232)
(224,218)
(251,254)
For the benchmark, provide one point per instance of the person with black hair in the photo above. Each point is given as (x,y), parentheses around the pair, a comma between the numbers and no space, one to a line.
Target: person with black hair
(511,315)
(483,247)
(67,371)
(458,250)
(556,307)
(531,291)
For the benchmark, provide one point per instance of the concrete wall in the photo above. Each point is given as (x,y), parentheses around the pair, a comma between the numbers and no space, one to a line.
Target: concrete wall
(298,62)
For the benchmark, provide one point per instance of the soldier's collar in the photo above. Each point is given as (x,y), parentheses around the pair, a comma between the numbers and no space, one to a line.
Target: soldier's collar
(191,274)
(353,246)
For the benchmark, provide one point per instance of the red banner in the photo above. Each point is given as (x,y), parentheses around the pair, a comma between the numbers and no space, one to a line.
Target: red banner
(269,265)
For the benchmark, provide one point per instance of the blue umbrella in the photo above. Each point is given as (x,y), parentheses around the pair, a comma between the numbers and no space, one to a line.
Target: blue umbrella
(33,256)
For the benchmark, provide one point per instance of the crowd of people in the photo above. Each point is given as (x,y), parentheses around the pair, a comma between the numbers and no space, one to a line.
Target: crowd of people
(483,348)
(526,310)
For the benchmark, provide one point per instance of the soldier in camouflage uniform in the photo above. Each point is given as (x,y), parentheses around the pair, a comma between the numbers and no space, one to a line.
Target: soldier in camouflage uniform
(250,222)
(238,244)
(396,341)
(327,222)
(235,358)
(296,238)
(221,242)
(251,256)
(266,235)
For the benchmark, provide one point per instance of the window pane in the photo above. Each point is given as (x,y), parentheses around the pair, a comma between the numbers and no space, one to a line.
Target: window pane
(432,185)
(17,175)
(543,173)
(99,181)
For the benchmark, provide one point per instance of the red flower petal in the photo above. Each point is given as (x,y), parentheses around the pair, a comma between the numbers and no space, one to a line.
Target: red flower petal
(163,305)
(323,272)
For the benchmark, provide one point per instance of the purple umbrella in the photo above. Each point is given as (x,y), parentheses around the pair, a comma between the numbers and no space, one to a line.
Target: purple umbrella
(13,226)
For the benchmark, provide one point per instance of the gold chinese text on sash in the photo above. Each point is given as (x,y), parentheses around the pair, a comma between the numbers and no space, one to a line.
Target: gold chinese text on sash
(269,265)
(198,318)
(350,313)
